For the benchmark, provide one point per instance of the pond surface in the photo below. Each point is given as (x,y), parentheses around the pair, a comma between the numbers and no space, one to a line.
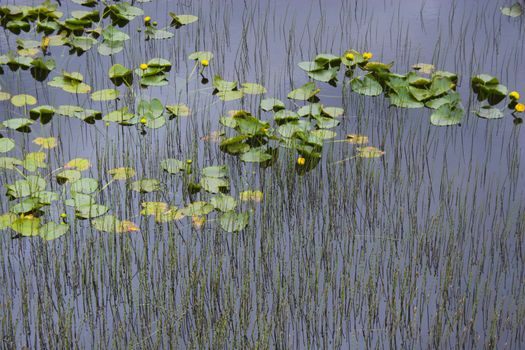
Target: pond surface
(417,247)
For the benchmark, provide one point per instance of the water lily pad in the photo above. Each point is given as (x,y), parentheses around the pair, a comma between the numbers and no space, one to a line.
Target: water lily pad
(255,196)
(46,142)
(146,185)
(85,186)
(234,222)
(179,110)
(270,104)
(45,113)
(488,112)
(324,134)
(253,89)
(105,95)
(215,171)
(89,211)
(424,68)
(256,155)
(223,202)
(52,230)
(4,96)
(173,166)
(80,164)
(447,115)
(23,100)
(6,144)
(214,184)
(68,176)
(181,20)
(153,208)
(305,92)
(121,173)
(111,224)
(7,219)
(9,163)
(201,55)
(513,11)
(230,95)
(357,139)
(27,226)
(197,208)
(369,152)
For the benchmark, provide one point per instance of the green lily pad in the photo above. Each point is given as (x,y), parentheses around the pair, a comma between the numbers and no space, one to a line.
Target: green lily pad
(173,166)
(105,95)
(121,173)
(253,89)
(90,211)
(234,222)
(146,185)
(366,85)
(23,100)
(488,112)
(6,144)
(52,230)
(305,92)
(270,104)
(223,202)
(197,208)
(447,115)
(256,155)
(513,11)
(179,110)
(85,186)
(26,226)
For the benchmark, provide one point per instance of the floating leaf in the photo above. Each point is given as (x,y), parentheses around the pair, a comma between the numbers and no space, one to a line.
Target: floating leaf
(513,11)
(488,112)
(357,139)
(223,202)
(4,96)
(27,226)
(80,164)
(255,196)
(89,211)
(201,55)
(105,95)
(424,68)
(23,100)
(6,144)
(305,92)
(256,155)
(121,173)
(110,224)
(180,110)
(197,208)
(52,230)
(272,104)
(146,185)
(7,219)
(46,142)
(369,152)
(68,176)
(214,184)
(181,20)
(85,186)
(253,89)
(234,222)
(447,115)
(366,85)
(215,171)
(154,208)
(173,166)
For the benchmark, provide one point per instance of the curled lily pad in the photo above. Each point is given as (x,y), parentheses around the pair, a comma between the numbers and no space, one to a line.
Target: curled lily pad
(19,124)
(45,113)
(119,75)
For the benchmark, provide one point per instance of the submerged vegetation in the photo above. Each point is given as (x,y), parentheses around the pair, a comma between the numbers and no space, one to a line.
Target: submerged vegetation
(158,193)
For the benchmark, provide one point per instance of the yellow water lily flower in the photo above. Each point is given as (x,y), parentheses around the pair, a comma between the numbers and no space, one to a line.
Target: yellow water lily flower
(143,66)
(349,56)
(520,108)
(205,63)
(143,120)
(367,55)
(514,95)
(147,19)
(301,160)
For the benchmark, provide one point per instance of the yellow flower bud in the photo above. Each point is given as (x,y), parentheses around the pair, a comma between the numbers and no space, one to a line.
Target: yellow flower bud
(367,55)
(349,56)
(205,63)
(301,161)
(514,95)
(147,19)
(520,108)
(143,120)
(143,66)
